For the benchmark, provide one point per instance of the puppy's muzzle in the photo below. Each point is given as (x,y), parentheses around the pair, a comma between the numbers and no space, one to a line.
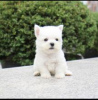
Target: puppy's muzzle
(52,44)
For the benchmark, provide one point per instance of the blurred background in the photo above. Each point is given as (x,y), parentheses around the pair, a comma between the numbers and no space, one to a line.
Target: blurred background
(17,19)
(92,5)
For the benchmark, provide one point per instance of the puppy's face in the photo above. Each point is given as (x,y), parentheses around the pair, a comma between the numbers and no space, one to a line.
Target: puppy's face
(49,38)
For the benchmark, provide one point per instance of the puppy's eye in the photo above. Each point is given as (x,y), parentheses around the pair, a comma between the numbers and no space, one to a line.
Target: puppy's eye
(45,39)
(56,39)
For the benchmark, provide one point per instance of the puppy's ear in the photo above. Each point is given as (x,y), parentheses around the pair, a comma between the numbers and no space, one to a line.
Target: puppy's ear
(60,27)
(36,30)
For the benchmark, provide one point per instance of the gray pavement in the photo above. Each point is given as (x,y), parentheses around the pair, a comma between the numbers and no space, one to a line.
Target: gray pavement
(20,83)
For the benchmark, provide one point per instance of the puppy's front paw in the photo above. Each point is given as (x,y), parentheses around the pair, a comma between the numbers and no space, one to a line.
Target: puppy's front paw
(68,73)
(59,76)
(46,76)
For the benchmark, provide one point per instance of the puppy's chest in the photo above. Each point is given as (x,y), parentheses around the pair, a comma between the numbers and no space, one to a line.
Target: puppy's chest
(51,63)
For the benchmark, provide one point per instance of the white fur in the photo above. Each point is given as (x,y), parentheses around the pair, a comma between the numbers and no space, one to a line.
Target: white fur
(49,61)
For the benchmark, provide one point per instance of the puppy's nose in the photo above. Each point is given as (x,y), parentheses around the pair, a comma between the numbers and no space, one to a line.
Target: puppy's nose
(52,44)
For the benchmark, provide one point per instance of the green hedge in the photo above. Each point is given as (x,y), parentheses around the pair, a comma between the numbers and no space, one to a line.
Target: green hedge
(17,19)
(93,52)
(95,16)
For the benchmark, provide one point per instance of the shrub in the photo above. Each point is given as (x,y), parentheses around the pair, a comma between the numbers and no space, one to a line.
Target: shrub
(17,19)
(95,16)
(93,52)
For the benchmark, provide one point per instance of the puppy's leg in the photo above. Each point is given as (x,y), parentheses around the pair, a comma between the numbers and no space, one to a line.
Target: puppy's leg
(59,73)
(36,71)
(45,72)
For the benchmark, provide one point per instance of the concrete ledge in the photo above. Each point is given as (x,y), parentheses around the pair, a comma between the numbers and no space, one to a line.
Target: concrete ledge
(20,83)
(0,66)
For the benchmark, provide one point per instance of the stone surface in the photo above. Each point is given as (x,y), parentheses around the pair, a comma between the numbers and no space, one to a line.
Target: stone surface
(20,83)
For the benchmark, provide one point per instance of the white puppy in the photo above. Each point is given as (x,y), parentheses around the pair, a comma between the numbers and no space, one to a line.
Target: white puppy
(49,58)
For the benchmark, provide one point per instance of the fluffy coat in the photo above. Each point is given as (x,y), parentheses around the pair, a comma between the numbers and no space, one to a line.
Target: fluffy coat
(49,59)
